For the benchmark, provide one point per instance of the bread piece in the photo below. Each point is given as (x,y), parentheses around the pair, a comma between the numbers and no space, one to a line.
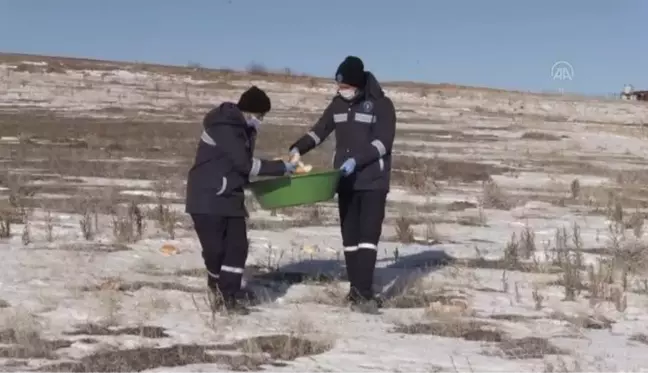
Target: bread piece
(303,168)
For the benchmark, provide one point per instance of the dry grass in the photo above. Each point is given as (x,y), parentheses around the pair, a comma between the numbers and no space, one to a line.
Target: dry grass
(417,296)
(543,136)
(117,284)
(144,331)
(404,231)
(528,348)
(21,333)
(494,197)
(268,350)
(471,330)
(455,328)
(21,340)
(72,148)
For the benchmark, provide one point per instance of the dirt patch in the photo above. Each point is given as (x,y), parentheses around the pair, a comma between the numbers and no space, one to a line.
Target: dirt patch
(283,347)
(490,128)
(142,331)
(13,364)
(137,285)
(28,345)
(513,317)
(528,348)
(245,355)
(489,290)
(460,206)
(88,341)
(4,304)
(468,330)
(438,135)
(534,135)
(580,286)
(503,264)
(639,337)
(192,272)
(420,299)
(592,322)
(139,359)
(443,169)
(90,247)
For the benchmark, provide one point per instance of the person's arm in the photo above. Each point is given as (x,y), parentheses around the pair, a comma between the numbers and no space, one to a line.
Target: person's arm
(318,133)
(231,142)
(384,131)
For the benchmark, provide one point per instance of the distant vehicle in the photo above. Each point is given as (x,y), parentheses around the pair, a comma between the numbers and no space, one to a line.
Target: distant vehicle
(630,94)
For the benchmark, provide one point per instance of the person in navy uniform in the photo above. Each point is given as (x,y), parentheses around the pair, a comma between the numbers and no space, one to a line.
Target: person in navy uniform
(215,198)
(364,121)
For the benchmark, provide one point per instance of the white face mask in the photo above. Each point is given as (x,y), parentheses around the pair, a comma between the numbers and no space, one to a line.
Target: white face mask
(347,93)
(253,121)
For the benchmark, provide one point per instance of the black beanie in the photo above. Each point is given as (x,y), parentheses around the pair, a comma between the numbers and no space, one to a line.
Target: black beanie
(351,72)
(254,100)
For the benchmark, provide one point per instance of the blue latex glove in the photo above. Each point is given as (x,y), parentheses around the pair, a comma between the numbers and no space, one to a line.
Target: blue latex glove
(290,168)
(348,167)
(294,156)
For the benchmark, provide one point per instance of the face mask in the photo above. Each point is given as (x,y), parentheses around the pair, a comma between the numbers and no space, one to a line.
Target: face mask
(347,93)
(253,121)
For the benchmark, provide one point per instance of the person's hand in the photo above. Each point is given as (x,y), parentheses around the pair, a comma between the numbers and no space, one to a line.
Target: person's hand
(348,167)
(290,167)
(294,156)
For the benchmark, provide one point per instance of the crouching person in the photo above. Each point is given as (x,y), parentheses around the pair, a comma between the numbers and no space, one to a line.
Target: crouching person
(215,198)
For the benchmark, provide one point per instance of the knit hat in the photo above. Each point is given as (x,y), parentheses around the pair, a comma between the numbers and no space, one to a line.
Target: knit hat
(254,100)
(351,72)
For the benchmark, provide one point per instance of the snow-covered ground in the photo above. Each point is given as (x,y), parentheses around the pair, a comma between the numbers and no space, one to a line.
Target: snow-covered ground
(520,200)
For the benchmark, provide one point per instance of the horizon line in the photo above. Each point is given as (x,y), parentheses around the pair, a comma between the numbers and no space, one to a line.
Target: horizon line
(259,69)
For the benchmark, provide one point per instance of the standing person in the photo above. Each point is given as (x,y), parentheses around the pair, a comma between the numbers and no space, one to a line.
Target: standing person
(215,199)
(364,121)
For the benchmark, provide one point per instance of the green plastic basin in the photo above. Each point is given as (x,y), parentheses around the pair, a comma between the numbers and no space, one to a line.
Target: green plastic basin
(294,190)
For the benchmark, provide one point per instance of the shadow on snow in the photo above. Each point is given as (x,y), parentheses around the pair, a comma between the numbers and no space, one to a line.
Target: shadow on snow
(391,278)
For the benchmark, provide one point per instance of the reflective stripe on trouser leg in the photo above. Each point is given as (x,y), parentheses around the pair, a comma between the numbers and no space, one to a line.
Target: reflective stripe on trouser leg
(236,252)
(232,269)
(211,230)
(372,215)
(231,279)
(366,259)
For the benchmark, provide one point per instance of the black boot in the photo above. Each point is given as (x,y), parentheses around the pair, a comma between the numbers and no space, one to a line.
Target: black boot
(364,303)
(363,298)
(369,306)
(350,298)
(350,261)
(226,304)
(233,306)
(247,296)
